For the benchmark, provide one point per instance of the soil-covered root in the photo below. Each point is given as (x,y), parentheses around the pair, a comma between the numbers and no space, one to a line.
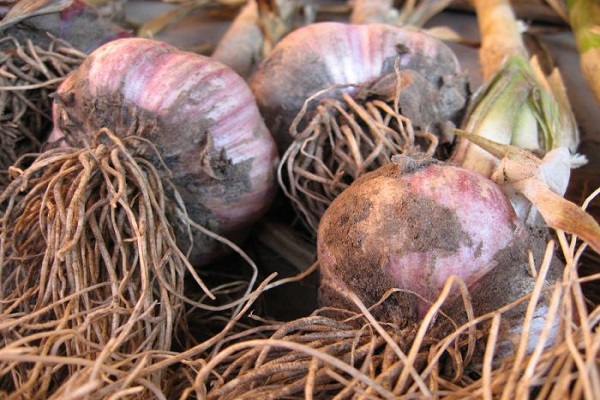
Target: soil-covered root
(30,70)
(90,272)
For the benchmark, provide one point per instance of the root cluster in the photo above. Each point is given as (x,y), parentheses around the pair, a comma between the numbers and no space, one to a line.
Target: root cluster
(343,141)
(335,354)
(29,73)
(90,272)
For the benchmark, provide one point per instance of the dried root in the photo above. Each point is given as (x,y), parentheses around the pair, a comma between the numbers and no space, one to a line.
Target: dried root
(316,356)
(28,75)
(90,273)
(337,354)
(343,141)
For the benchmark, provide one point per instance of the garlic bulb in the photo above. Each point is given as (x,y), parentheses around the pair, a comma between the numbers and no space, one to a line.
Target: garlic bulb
(412,224)
(341,100)
(200,115)
(318,56)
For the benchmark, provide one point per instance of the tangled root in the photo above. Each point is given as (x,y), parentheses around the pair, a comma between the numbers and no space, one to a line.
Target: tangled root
(28,75)
(90,272)
(343,141)
(339,354)
(332,353)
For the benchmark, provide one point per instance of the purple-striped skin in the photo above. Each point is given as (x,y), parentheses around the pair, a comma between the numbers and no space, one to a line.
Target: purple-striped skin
(316,57)
(201,116)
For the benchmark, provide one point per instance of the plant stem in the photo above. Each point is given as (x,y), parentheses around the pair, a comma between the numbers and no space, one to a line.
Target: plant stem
(500,35)
(373,11)
(584,17)
(257,28)
(241,46)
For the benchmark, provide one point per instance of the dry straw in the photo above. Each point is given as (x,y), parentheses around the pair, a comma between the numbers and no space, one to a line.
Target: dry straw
(29,73)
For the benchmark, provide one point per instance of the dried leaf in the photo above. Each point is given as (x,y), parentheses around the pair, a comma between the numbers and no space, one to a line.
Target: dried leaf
(28,8)
(560,213)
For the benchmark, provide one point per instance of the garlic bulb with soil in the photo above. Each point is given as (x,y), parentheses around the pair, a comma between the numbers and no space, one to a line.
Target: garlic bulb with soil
(412,224)
(200,115)
(341,99)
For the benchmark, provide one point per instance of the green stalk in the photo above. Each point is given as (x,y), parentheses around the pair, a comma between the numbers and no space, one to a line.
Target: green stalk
(584,17)
(520,106)
(517,104)
(520,130)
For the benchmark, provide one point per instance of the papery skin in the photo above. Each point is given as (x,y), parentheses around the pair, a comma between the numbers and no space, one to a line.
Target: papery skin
(201,116)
